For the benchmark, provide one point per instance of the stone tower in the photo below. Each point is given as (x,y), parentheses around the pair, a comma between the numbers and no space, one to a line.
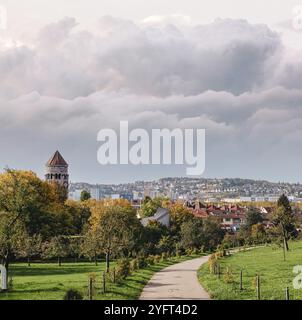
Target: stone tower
(57,170)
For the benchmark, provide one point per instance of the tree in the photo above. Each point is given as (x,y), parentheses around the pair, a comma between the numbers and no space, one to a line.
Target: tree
(253,216)
(57,247)
(258,233)
(10,234)
(166,244)
(23,200)
(284,220)
(75,246)
(91,245)
(212,233)
(85,195)
(152,235)
(117,229)
(77,215)
(29,246)
(150,206)
(191,234)
(179,215)
(230,241)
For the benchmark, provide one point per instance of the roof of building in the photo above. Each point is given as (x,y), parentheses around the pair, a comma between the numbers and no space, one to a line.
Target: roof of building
(160,213)
(56,160)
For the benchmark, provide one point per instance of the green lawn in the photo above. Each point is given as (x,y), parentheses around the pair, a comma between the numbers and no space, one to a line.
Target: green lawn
(275,274)
(48,281)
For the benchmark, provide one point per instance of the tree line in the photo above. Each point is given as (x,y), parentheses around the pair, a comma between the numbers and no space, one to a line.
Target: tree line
(38,222)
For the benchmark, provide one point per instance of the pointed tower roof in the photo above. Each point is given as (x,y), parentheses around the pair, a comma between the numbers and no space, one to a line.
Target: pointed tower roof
(56,160)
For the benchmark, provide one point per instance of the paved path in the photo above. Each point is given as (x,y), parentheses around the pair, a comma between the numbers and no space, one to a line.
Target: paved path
(177,282)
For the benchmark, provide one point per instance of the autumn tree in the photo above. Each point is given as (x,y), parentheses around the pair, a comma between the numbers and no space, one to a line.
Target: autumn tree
(91,246)
(56,247)
(150,206)
(283,219)
(23,200)
(117,228)
(179,214)
(29,246)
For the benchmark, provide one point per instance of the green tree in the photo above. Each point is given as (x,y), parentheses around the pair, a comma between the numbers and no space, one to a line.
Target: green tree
(24,199)
(91,245)
(117,230)
(152,235)
(212,233)
(179,214)
(150,206)
(283,218)
(85,195)
(253,216)
(10,234)
(29,246)
(191,234)
(57,247)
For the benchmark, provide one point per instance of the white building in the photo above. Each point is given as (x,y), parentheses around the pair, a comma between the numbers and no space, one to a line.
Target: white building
(75,195)
(162,216)
(96,193)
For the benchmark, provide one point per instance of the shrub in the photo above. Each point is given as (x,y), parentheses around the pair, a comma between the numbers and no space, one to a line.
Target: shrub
(72,294)
(228,276)
(220,254)
(189,251)
(164,256)
(195,251)
(157,258)
(150,260)
(142,263)
(212,263)
(134,264)
(123,268)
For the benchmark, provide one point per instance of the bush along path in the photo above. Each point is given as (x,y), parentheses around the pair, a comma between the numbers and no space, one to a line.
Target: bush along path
(177,282)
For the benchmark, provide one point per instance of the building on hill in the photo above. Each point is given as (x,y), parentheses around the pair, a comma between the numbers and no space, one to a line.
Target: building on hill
(56,170)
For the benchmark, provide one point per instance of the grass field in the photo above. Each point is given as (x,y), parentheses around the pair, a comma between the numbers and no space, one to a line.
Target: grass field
(275,274)
(48,281)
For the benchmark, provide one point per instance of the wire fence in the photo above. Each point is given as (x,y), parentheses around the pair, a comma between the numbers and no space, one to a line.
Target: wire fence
(236,282)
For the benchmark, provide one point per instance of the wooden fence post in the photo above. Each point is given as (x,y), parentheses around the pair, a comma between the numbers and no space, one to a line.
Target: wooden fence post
(104,282)
(218,267)
(258,287)
(286,293)
(90,288)
(241,285)
(114,280)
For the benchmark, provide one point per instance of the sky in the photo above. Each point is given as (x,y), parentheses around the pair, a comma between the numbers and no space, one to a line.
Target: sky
(69,69)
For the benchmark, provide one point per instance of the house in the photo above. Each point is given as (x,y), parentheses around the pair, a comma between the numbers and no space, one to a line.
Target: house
(162,216)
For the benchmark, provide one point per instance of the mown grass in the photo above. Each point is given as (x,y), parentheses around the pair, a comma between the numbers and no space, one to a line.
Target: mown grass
(48,281)
(267,262)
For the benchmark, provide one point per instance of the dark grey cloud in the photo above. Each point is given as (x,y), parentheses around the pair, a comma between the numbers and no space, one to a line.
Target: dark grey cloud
(228,77)
(155,60)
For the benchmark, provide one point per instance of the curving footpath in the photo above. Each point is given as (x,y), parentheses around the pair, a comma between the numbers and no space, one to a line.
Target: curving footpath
(177,282)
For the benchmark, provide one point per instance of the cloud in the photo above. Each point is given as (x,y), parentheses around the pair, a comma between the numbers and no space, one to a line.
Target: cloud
(236,80)
(148,58)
